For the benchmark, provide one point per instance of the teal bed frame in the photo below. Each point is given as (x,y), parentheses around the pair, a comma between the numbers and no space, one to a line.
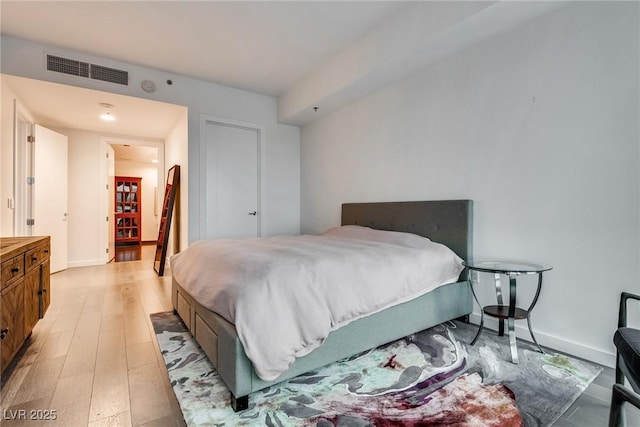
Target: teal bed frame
(449,222)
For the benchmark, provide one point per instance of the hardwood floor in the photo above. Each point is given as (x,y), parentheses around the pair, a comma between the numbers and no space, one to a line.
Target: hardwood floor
(133,252)
(94,359)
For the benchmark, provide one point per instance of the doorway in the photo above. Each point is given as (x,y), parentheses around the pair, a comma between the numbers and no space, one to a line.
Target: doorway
(40,186)
(78,117)
(138,163)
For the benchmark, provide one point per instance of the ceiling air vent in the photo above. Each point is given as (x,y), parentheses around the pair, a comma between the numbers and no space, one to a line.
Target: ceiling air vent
(67,66)
(85,69)
(106,74)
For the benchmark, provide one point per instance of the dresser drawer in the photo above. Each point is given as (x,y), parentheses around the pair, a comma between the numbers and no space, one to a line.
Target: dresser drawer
(37,255)
(12,269)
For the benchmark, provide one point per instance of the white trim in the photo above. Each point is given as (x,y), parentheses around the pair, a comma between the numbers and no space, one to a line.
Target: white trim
(262,140)
(85,263)
(545,340)
(17,178)
(22,168)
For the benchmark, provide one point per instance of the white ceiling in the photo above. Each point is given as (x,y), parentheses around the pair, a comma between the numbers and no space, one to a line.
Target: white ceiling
(135,153)
(261,46)
(288,49)
(70,107)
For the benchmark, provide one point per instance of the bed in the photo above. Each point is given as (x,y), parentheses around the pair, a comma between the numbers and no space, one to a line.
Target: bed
(448,222)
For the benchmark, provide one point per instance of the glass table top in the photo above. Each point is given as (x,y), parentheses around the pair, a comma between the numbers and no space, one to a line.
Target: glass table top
(506,266)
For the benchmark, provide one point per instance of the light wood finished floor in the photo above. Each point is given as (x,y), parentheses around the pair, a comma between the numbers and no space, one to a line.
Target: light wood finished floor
(95,361)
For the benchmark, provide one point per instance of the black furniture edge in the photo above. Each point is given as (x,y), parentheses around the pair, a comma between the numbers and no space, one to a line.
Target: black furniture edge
(630,343)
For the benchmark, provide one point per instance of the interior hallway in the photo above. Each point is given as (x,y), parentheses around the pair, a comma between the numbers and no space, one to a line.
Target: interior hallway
(94,359)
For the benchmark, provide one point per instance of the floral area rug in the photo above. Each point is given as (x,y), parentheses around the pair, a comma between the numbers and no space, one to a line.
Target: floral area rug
(431,378)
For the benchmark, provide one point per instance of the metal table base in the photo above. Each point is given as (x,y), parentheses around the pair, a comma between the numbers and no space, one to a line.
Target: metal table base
(509,312)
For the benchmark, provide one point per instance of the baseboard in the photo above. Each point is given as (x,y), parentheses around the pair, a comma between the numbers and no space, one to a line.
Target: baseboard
(560,344)
(85,263)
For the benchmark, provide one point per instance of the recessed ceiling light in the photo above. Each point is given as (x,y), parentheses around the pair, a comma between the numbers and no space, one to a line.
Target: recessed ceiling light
(107,116)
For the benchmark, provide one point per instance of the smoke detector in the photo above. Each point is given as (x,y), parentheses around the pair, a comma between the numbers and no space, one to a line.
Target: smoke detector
(148,86)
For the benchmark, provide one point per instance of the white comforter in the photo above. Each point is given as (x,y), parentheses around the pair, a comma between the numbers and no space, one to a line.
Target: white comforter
(285,294)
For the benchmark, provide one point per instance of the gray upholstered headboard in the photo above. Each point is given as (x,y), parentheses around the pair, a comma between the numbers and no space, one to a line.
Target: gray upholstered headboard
(449,222)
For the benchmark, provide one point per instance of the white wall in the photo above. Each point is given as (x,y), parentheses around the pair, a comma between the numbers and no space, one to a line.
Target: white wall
(84,195)
(149,174)
(7,97)
(86,206)
(280,175)
(539,126)
(175,155)
(10,105)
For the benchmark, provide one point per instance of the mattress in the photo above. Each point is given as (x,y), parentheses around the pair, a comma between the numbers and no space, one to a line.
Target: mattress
(284,295)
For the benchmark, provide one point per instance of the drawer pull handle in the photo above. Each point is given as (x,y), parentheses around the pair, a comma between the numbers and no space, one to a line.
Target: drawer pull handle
(46,251)
(3,333)
(42,291)
(34,258)
(15,270)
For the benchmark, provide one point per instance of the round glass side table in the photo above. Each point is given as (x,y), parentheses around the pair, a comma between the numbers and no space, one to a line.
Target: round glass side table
(509,312)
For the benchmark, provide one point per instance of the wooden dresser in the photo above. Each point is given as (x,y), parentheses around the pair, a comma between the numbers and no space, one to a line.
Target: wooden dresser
(25,291)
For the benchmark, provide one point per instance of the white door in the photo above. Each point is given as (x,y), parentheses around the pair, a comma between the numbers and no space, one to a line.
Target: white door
(50,192)
(230,163)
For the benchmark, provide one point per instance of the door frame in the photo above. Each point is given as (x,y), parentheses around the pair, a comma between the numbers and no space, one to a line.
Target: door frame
(105,141)
(22,168)
(206,119)
(110,162)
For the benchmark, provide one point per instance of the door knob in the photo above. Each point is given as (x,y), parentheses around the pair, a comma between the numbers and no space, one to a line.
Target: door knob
(254,213)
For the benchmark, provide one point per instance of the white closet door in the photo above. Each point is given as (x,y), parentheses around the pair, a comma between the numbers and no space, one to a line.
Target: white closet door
(231,162)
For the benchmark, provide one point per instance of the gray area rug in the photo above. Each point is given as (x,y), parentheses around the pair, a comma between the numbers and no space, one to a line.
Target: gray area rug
(430,378)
